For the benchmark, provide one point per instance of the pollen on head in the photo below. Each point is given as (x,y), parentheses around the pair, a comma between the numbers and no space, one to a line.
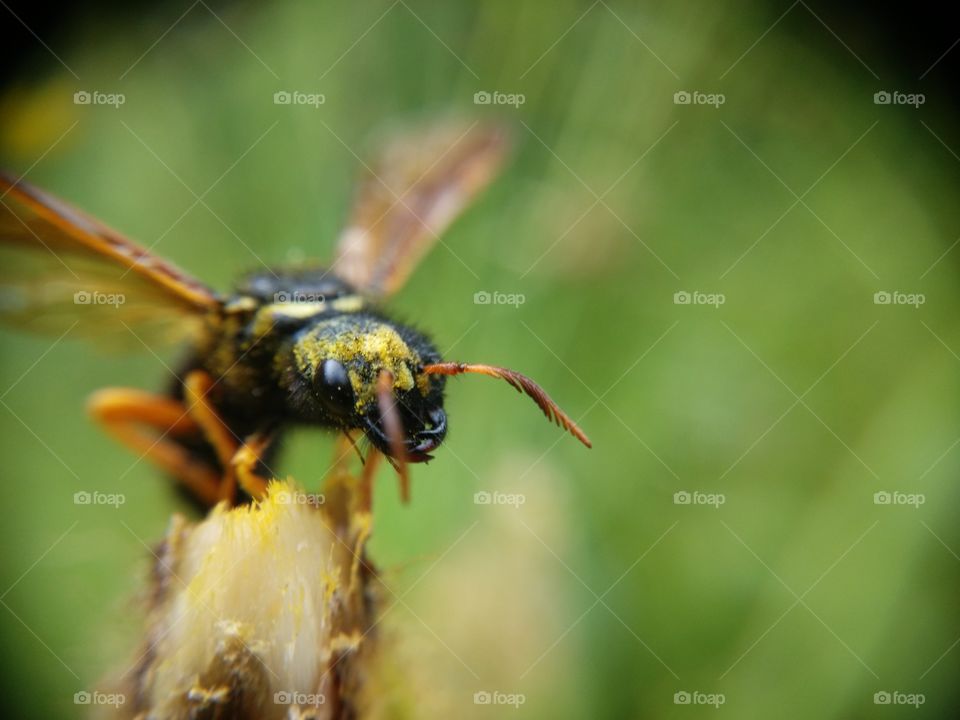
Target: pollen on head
(366,350)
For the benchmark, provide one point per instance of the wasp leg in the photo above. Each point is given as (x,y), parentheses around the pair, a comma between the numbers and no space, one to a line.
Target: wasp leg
(366,479)
(245,460)
(339,484)
(197,386)
(122,410)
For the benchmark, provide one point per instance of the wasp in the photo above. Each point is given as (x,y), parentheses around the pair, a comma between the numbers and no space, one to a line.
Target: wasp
(306,345)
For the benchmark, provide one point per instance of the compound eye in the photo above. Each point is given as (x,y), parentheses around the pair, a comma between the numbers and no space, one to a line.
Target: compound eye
(332,387)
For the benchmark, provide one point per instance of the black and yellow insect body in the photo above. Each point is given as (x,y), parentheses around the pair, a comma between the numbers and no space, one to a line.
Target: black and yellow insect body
(307,345)
(301,346)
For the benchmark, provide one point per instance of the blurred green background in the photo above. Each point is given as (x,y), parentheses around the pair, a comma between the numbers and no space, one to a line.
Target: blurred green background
(602,595)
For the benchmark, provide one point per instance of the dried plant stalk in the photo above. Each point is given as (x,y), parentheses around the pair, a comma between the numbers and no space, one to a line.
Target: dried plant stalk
(261,611)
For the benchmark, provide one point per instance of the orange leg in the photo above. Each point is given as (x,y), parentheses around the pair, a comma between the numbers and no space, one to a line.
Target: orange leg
(244,462)
(239,459)
(123,410)
(197,386)
(366,479)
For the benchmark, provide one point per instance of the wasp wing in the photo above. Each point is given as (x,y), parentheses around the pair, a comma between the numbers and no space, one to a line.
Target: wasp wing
(418,186)
(60,269)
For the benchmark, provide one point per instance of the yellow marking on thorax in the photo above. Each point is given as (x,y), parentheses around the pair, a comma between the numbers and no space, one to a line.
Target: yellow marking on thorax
(349,303)
(273,313)
(297,310)
(240,305)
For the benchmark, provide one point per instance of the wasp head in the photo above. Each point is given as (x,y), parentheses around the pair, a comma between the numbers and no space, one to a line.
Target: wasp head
(365,373)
